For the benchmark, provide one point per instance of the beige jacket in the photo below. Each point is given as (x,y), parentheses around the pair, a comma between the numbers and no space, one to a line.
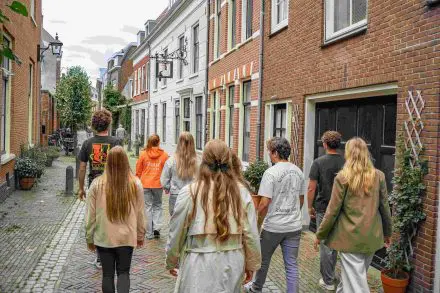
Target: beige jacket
(357,223)
(101,232)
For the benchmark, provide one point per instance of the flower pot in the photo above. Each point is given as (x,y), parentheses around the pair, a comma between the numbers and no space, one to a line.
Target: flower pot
(27,183)
(391,285)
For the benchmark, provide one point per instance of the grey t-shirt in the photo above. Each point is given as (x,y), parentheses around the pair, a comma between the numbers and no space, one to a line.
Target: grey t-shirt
(283,183)
(324,170)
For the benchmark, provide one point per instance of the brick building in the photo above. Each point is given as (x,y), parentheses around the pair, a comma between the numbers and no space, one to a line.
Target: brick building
(19,88)
(233,78)
(50,76)
(354,68)
(120,67)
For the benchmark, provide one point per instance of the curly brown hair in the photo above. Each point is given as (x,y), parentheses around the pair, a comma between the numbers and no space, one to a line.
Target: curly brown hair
(101,120)
(332,139)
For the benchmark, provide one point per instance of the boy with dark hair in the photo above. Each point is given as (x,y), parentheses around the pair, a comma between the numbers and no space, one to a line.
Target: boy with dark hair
(322,173)
(94,151)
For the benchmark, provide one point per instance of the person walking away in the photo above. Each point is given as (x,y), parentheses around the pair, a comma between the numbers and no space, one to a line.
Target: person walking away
(282,195)
(180,169)
(322,174)
(213,230)
(94,151)
(120,134)
(149,168)
(115,222)
(357,221)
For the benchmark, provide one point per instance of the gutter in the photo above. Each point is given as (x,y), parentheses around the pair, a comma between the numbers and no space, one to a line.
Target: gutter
(260,85)
(208,12)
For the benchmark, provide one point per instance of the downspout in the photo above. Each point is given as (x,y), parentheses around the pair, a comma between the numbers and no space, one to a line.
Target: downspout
(207,69)
(260,85)
(149,93)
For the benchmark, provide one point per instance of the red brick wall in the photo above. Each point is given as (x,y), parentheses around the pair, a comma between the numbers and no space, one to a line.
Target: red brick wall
(25,36)
(245,55)
(400,45)
(48,119)
(143,95)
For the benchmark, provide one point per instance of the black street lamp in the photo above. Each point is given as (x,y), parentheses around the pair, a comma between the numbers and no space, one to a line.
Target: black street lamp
(56,47)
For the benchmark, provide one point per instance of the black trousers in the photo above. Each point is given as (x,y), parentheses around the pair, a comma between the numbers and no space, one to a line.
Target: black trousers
(118,258)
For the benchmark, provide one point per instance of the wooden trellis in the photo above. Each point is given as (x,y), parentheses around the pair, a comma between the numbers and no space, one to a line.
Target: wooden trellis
(296,133)
(414,125)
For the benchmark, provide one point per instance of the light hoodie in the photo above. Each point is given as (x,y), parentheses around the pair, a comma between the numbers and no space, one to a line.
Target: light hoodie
(149,167)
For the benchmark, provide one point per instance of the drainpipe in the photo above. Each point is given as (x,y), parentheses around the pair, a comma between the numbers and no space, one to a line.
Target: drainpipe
(207,69)
(260,85)
(149,92)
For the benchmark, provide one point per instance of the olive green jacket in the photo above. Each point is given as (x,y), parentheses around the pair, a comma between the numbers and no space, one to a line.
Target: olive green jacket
(356,222)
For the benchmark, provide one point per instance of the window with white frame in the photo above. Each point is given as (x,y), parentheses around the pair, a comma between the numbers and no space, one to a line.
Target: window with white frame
(247,17)
(280,14)
(143,123)
(186,114)
(155,118)
(246,93)
(135,84)
(199,122)
(148,76)
(343,17)
(5,98)
(231,95)
(176,120)
(218,26)
(164,80)
(143,78)
(181,65)
(32,9)
(164,122)
(279,120)
(215,103)
(30,103)
(195,49)
(139,81)
(131,88)
(232,23)
(136,122)
(155,77)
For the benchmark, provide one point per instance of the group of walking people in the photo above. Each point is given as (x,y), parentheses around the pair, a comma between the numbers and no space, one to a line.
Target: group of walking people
(215,243)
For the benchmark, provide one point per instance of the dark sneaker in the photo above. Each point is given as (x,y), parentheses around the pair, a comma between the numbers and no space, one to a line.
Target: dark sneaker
(156,234)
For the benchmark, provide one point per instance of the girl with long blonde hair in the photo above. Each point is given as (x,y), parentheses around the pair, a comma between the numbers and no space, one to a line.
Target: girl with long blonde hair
(357,221)
(115,222)
(149,167)
(214,220)
(180,169)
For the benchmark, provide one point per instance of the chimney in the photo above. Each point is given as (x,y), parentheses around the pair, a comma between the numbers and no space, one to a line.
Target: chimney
(140,37)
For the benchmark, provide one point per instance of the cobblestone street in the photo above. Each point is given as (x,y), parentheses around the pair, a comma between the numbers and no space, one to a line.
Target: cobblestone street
(43,249)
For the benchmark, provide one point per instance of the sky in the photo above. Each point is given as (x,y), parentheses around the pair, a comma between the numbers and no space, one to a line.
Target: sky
(92,30)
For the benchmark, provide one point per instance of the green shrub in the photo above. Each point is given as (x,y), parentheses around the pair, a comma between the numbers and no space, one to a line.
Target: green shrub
(37,155)
(254,174)
(25,167)
(51,151)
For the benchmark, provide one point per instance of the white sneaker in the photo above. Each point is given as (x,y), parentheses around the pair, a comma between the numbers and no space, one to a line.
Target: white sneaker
(98,264)
(323,285)
(248,287)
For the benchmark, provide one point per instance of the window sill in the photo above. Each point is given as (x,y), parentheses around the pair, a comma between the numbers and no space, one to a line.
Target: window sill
(6,158)
(163,87)
(179,80)
(245,42)
(33,20)
(351,34)
(194,75)
(275,31)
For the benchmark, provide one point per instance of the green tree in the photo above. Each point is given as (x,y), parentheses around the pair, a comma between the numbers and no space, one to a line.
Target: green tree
(73,98)
(19,8)
(116,103)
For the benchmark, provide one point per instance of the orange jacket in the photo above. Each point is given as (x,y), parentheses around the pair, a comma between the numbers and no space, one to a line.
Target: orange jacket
(149,167)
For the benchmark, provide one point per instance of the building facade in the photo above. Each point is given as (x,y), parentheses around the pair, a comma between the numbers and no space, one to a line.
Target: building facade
(177,104)
(50,75)
(120,67)
(234,74)
(19,89)
(363,68)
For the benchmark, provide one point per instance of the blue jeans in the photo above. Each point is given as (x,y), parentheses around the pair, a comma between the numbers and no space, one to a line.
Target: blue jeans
(289,245)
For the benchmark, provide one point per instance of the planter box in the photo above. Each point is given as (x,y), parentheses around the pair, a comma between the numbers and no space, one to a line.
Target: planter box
(26,183)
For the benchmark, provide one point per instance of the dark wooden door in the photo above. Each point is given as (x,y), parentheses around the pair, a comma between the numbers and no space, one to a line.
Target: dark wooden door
(374,120)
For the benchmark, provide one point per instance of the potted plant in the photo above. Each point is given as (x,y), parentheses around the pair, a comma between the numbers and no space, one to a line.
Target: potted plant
(52,152)
(253,174)
(407,203)
(37,155)
(26,170)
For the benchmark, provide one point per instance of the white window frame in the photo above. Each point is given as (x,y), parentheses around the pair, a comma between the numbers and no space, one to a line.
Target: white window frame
(330,35)
(177,118)
(31,102)
(180,67)
(155,79)
(143,79)
(215,112)
(139,81)
(242,119)
(32,10)
(230,118)
(275,26)
(164,80)
(196,114)
(7,107)
(244,21)
(193,61)
(232,39)
(135,84)
(217,31)
(186,119)
(148,76)
(164,122)
(131,88)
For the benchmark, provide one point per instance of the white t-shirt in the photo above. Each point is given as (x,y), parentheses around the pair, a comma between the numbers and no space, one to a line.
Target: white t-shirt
(283,183)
